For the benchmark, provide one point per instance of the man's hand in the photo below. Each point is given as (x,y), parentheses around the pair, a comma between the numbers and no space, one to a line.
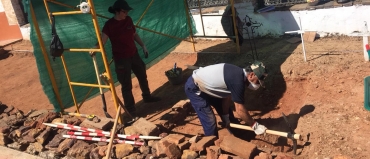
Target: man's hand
(258,129)
(225,120)
(145,52)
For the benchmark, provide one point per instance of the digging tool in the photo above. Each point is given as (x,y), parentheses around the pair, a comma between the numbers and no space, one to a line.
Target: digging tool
(273,132)
(104,77)
(290,135)
(291,132)
(100,89)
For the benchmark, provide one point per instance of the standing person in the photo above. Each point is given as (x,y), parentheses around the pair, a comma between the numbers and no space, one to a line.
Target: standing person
(122,34)
(219,84)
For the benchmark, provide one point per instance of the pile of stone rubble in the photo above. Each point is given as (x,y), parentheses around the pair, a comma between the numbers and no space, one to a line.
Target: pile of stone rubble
(27,132)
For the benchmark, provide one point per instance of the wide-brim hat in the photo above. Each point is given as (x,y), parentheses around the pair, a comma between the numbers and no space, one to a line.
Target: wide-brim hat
(260,71)
(121,4)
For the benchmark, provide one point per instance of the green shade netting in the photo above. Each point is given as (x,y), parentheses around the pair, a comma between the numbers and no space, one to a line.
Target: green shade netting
(77,31)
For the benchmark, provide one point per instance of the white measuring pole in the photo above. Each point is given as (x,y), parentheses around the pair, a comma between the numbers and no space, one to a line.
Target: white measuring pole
(300,31)
(365,40)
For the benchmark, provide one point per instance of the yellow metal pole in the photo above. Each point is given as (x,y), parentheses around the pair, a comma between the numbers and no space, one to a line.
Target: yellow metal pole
(47,9)
(104,56)
(189,24)
(201,17)
(64,65)
(89,85)
(70,84)
(142,15)
(162,34)
(62,4)
(46,58)
(67,13)
(235,29)
(81,50)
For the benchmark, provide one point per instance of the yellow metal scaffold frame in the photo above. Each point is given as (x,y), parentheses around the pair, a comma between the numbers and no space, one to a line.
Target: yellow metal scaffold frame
(102,50)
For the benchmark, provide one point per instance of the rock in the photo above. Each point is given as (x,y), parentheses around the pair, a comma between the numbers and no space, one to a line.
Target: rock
(145,127)
(194,139)
(132,156)
(175,138)
(123,150)
(263,155)
(30,123)
(17,146)
(144,150)
(104,124)
(203,143)
(213,152)
(73,120)
(283,156)
(238,146)
(188,154)
(45,118)
(80,149)
(65,145)
(34,148)
(9,109)
(49,154)
(54,143)
(151,143)
(172,151)
(130,130)
(184,145)
(103,150)
(27,140)
(43,136)
(94,154)
(58,120)
(38,113)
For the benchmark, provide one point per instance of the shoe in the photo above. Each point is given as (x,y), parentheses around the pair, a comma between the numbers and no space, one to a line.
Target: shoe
(151,99)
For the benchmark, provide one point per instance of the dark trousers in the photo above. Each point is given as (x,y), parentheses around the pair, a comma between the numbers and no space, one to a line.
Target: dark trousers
(202,105)
(123,71)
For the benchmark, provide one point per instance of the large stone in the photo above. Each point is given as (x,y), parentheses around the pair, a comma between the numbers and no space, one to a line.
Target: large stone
(94,154)
(103,150)
(123,150)
(65,145)
(188,154)
(145,127)
(203,143)
(175,138)
(184,145)
(104,124)
(238,146)
(284,156)
(223,132)
(43,136)
(34,148)
(172,151)
(263,155)
(45,118)
(49,154)
(213,152)
(38,113)
(30,123)
(80,149)
(17,146)
(130,130)
(144,150)
(54,143)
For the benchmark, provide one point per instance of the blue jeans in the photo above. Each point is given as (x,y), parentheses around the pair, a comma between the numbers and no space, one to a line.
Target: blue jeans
(202,105)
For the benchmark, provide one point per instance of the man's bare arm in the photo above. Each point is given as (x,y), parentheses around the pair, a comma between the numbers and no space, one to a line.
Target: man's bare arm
(243,113)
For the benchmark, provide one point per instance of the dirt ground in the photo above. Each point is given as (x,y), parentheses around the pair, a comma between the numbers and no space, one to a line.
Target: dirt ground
(322,98)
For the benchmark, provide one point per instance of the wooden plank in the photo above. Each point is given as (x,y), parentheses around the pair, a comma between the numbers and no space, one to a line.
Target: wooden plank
(309,36)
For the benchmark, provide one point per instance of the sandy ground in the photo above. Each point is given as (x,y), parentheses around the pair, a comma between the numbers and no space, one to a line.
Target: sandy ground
(322,98)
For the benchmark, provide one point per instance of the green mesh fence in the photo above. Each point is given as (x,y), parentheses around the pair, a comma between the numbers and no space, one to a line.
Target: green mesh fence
(77,31)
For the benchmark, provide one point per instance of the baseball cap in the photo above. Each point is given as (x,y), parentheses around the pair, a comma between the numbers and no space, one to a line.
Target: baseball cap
(121,4)
(260,71)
